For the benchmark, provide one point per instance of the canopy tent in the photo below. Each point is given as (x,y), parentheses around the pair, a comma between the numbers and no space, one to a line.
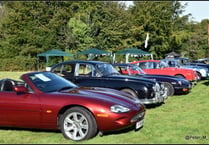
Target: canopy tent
(93,51)
(133,52)
(53,52)
(172,54)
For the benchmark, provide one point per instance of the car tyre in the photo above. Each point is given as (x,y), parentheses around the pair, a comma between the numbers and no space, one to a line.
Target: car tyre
(129,91)
(78,124)
(199,75)
(169,87)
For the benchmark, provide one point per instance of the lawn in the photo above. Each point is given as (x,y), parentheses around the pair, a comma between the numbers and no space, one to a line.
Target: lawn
(181,119)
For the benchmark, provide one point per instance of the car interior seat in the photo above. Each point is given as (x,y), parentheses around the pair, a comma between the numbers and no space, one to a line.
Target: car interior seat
(7,85)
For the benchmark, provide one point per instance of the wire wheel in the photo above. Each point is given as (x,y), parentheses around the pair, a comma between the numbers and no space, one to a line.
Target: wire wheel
(169,88)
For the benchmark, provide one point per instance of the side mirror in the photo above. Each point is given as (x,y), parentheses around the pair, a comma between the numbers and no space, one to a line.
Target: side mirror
(20,89)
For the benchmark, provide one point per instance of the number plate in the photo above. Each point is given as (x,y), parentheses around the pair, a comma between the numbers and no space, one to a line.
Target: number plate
(139,124)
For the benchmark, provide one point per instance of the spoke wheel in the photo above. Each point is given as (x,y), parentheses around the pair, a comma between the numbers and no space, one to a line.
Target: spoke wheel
(169,89)
(78,124)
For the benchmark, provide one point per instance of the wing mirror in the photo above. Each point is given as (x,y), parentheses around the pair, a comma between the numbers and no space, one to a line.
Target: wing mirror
(20,89)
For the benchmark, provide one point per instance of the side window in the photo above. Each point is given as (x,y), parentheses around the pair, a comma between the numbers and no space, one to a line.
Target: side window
(142,65)
(65,70)
(118,69)
(85,70)
(57,69)
(146,65)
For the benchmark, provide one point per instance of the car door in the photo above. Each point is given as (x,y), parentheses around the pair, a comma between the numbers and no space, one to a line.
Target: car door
(19,109)
(86,75)
(82,74)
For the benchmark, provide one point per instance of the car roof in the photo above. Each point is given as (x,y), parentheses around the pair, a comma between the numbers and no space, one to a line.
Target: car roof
(122,64)
(147,61)
(82,61)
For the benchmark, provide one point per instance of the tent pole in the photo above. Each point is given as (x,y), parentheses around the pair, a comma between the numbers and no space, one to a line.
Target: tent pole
(38,64)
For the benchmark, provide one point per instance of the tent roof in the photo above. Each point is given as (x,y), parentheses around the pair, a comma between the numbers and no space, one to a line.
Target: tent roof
(172,54)
(54,52)
(133,51)
(93,51)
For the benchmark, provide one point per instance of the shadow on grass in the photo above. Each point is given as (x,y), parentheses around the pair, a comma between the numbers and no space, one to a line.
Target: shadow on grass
(151,106)
(121,131)
(206,83)
(29,129)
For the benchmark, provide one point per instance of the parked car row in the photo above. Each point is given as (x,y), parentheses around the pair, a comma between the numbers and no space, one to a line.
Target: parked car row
(173,84)
(160,67)
(77,97)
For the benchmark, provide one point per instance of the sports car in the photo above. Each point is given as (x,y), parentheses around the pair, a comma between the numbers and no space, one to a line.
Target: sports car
(158,67)
(201,71)
(174,85)
(45,100)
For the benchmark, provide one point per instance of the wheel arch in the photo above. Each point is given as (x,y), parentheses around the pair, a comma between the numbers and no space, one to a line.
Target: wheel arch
(65,108)
(180,75)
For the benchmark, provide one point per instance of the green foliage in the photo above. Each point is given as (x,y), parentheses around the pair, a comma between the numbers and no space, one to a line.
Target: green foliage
(28,28)
(18,63)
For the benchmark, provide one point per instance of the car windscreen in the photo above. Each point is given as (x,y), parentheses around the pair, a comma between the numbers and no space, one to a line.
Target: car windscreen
(50,82)
(137,69)
(107,69)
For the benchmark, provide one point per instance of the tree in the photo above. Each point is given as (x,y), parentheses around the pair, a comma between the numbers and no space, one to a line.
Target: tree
(158,19)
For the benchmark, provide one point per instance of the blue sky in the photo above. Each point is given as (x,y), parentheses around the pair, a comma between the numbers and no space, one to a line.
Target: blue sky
(198,9)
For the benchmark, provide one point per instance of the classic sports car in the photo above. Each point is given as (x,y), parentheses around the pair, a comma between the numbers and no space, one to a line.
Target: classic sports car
(200,62)
(102,74)
(174,85)
(201,71)
(47,101)
(158,67)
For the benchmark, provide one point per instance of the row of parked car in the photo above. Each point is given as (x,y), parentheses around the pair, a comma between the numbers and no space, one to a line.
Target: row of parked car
(78,96)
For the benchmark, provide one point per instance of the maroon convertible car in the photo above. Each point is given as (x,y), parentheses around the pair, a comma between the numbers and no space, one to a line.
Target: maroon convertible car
(47,101)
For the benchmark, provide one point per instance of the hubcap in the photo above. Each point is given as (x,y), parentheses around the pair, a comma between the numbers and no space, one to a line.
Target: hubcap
(76,126)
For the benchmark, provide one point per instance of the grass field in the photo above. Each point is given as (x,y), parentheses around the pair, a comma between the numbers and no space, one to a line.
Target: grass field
(181,119)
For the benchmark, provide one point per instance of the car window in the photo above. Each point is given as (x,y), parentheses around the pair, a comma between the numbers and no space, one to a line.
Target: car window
(49,82)
(86,70)
(136,70)
(143,65)
(147,65)
(106,69)
(65,70)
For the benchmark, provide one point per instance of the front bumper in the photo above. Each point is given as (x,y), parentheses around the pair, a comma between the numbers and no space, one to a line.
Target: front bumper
(183,89)
(155,100)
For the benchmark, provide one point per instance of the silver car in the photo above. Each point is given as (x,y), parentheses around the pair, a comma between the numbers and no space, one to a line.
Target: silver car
(202,72)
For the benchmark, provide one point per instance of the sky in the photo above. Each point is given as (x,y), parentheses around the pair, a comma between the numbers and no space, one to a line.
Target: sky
(198,9)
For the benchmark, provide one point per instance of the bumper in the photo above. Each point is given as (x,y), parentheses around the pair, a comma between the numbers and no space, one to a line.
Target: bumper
(155,100)
(183,89)
(119,122)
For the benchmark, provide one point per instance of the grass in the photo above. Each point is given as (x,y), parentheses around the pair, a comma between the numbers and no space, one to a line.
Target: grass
(182,119)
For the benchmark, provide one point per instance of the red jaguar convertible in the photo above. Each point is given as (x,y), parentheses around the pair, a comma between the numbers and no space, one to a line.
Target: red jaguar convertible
(45,100)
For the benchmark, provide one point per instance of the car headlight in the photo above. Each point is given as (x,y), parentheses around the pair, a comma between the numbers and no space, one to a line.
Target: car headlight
(119,109)
(180,82)
(173,83)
